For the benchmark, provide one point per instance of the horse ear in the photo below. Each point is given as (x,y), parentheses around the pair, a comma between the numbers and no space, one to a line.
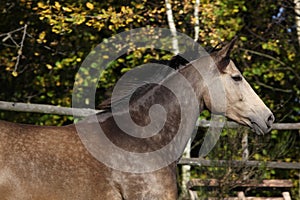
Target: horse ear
(222,57)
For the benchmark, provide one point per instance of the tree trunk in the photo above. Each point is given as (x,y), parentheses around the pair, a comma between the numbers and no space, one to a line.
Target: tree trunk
(196,15)
(185,168)
(172,27)
(297,11)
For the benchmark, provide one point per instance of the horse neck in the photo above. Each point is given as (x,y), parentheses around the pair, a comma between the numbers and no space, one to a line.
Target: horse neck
(180,114)
(194,73)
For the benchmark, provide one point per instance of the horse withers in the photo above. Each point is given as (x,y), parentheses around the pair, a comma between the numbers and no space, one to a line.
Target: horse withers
(43,162)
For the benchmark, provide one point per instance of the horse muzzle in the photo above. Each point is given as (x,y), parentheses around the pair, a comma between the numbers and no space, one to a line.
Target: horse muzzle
(264,125)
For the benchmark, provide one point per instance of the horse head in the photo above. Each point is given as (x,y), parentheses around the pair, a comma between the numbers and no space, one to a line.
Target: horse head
(243,105)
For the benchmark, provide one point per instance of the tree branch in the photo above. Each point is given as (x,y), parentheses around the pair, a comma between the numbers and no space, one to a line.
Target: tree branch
(272,88)
(19,46)
(263,55)
(272,58)
(20,51)
(11,32)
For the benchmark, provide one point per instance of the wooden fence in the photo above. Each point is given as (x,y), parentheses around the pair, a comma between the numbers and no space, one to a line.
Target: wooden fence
(246,184)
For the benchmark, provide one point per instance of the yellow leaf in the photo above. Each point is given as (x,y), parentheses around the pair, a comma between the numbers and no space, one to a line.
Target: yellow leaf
(121,60)
(123,9)
(139,6)
(58,65)
(41,38)
(57,5)
(129,20)
(287,159)
(48,66)
(67,9)
(291,56)
(90,5)
(41,5)
(42,35)
(14,73)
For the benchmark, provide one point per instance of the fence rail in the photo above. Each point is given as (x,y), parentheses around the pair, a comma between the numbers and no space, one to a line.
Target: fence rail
(276,183)
(82,112)
(238,163)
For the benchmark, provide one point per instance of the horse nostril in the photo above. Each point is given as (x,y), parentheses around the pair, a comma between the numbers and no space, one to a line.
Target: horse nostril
(270,120)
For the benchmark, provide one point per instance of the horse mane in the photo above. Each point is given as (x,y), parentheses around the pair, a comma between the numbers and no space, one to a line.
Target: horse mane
(176,62)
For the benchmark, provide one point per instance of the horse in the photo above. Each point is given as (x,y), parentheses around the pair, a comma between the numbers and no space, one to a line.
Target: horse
(48,162)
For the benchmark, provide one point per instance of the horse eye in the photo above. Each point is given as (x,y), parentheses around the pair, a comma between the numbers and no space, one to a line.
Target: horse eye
(237,78)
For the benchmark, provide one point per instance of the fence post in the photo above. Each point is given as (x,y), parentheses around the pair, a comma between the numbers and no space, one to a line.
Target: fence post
(186,169)
(245,154)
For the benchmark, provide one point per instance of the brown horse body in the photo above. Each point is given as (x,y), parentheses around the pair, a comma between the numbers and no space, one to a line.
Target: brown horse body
(39,163)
